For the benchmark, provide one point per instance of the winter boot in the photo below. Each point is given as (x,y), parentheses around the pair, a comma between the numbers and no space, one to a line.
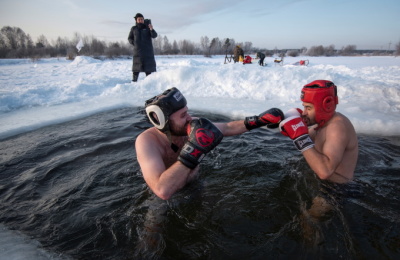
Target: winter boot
(135,77)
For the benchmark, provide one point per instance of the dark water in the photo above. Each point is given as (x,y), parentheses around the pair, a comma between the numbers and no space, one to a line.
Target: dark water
(77,189)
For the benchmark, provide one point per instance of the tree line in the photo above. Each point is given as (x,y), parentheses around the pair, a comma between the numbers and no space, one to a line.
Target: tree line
(15,43)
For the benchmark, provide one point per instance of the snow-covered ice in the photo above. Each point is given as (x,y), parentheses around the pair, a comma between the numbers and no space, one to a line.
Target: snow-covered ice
(48,91)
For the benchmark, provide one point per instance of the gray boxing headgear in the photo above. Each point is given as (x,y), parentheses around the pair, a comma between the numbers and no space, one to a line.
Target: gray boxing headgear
(161,107)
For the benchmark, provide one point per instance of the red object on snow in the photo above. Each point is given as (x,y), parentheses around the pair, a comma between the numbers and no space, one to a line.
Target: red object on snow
(247,59)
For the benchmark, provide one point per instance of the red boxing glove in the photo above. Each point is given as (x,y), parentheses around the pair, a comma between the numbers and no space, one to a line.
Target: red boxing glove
(295,128)
(293,112)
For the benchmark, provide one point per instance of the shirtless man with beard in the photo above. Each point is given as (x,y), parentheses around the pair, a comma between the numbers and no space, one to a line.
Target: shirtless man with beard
(327,140)
(330,144)
(170,152)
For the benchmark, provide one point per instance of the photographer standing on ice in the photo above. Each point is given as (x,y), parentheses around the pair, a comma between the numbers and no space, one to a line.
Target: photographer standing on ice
(140,37)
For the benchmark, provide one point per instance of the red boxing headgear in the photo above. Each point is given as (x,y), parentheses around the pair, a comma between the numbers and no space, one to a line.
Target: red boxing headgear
(323,95)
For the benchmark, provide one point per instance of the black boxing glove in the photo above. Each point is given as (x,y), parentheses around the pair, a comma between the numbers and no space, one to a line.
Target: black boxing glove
(270,118)
(203,137)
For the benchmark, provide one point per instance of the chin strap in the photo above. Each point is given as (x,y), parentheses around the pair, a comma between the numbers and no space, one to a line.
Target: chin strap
(174,147)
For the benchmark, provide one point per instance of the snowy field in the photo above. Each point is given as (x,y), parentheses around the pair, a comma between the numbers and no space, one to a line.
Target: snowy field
(35,94)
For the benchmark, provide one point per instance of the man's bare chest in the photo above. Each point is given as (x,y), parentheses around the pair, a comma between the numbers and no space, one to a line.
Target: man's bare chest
(170,156)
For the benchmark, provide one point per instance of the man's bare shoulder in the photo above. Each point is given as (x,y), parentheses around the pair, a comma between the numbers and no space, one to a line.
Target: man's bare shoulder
(150,133)
(342,130)
(340,122)
(342,118)
(149,137)
(338,129)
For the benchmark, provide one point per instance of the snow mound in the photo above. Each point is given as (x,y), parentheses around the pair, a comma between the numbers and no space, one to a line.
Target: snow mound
(84,60)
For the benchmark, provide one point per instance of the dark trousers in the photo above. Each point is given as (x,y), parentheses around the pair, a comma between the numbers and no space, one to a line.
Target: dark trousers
(136,75)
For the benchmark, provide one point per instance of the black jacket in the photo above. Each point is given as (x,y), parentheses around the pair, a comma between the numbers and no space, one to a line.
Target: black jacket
(260,55)
(237,52)
(140,37)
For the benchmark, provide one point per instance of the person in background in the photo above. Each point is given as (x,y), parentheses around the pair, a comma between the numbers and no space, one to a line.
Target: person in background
(170,152)
(326,138)
(247,60)
(140,37)
(238,53)
(261,56)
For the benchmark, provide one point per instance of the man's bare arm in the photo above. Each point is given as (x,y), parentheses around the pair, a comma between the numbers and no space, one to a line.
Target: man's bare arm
(232,128)
(163,182)
(324,163)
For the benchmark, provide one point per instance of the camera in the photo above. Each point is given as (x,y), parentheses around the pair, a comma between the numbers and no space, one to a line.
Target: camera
(147,21)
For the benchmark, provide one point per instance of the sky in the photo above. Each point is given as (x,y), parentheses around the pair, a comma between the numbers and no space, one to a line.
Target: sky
(283,24)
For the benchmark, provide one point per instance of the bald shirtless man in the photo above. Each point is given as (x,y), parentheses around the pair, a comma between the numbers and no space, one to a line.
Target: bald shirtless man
(170,152)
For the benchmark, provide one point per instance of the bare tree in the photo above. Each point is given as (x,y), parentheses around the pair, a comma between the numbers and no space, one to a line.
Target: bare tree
(175,47)
(269,53)
(61,46)
(42,42)
(218,48)
(348,50)
(212,46)
(96,47)
(204,43)
(330,50)
(10,37)
(292,53)
(113,50)
(233,44)
(15,42)
(397,51)
(167,47)
(158,45)
(227,44)
(187,47)
(247,47)
(3,48)
(316,51)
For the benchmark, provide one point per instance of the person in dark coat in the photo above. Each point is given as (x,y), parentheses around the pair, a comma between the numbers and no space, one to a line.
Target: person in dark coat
(140,37)
(261,56)
(237,52)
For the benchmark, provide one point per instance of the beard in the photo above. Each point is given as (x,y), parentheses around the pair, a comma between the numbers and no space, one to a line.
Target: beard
(308,121)
(178,130)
